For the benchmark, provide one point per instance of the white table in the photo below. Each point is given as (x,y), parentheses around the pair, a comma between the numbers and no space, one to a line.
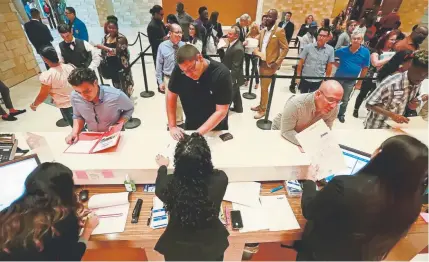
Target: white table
(255,155)
(252,156)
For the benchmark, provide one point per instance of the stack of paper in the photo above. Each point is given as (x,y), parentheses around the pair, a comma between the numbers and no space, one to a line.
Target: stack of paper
(159,218)
(112,211)
(274,214)
(243,193)
(325,153)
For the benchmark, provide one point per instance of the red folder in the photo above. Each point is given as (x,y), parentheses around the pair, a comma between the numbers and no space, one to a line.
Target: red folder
(94,142)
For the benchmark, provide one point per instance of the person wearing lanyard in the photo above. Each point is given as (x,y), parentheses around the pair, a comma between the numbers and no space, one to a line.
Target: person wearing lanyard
(99,107)
(165,63)
(205,90)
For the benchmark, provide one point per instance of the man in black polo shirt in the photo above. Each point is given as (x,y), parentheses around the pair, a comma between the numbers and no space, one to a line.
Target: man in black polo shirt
(205,89)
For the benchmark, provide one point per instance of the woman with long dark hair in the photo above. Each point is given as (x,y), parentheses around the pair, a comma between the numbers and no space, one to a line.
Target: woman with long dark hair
(44,223)
(385,44)
(192,195)
(195,36)
(362,216)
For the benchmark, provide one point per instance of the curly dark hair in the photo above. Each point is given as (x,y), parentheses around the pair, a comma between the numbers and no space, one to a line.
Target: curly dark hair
(48,198)
(80,75)
(187,194)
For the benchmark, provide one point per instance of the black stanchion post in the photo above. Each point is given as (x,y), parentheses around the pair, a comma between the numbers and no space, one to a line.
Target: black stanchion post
(250,95)
(293,80)
(101,77)
(145,93)
(265,124)
(133,122)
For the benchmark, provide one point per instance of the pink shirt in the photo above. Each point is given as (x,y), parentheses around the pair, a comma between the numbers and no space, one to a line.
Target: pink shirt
(56,78)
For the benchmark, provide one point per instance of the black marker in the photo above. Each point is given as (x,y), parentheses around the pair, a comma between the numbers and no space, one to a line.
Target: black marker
(150,217)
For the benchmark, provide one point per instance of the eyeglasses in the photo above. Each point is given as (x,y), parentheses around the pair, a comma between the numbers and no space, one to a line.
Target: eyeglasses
(331,100)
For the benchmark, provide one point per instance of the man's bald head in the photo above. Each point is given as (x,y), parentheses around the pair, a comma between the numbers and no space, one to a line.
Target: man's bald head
(332,88)
(175,33)
(271,19)
(328,96)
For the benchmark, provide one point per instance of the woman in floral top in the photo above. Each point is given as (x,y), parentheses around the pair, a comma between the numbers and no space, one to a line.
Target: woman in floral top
(116,55)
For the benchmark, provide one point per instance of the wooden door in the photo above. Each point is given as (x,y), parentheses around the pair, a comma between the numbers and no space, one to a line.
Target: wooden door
(229,10)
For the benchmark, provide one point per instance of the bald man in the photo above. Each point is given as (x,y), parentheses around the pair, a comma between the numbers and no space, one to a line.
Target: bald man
(165,63)
(301,111)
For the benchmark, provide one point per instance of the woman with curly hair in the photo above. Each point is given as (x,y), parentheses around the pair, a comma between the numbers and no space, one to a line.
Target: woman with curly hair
(192,195)
(44,223)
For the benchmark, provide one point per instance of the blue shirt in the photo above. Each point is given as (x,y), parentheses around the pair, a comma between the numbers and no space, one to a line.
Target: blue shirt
(113,105)
(79,30)
(165,60)
(351,64)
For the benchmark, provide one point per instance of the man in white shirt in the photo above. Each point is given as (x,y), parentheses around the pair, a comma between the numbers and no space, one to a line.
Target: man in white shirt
(77,52)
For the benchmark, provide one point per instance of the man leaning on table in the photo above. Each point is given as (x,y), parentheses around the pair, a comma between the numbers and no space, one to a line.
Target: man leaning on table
(97,106)
(301,111)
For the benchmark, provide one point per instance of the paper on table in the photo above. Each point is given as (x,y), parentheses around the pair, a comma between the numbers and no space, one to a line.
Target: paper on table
(416,122)
(114,204)
(244,193)
(107,142)
(324,151)
(421,257)
(254,219)
(280,215)
(81,146)
(425,216)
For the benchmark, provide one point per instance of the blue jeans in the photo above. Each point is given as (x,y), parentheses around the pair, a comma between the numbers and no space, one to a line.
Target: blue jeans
(348,88)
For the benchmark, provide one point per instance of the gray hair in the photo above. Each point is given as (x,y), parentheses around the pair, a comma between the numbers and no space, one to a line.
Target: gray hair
(357,33)
(245,17)
(236,29)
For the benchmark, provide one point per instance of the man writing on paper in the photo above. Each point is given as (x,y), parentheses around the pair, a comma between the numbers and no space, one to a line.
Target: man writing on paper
(395,92)
(205,89)
(301,111)
(99,107)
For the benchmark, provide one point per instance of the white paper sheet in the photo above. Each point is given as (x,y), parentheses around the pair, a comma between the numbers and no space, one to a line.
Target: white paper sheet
(112,209)
(280,215)
(81,147)
(244,193)
(416,122)
(254,219)
(324,151)
(252,44)
(107,142)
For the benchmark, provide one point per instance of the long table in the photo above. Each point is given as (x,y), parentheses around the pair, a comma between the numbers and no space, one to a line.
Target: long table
(142,236)
(251,156)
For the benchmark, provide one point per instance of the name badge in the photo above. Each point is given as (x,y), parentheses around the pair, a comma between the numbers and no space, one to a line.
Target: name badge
(398,93)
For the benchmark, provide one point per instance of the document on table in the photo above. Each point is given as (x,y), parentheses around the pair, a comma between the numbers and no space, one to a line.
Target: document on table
(112,210)
(81,146)
(254,218)
(325,153)
(280,215)
(244,193)
(274,214)
(416,122)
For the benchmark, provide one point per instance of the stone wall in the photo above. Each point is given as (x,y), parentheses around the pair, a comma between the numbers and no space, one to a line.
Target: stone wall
(85,11)
(134,13)
(17,61)
(411,12)
(320,9)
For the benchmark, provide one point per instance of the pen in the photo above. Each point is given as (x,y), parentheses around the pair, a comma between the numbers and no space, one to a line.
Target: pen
(276,189)
(110,215)
(150,217)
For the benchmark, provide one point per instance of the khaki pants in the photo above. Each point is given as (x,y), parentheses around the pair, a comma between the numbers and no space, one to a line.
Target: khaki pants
(264,70)
(179,108)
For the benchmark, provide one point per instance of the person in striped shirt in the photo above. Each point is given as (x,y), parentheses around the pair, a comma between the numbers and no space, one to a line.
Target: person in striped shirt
(394,93)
